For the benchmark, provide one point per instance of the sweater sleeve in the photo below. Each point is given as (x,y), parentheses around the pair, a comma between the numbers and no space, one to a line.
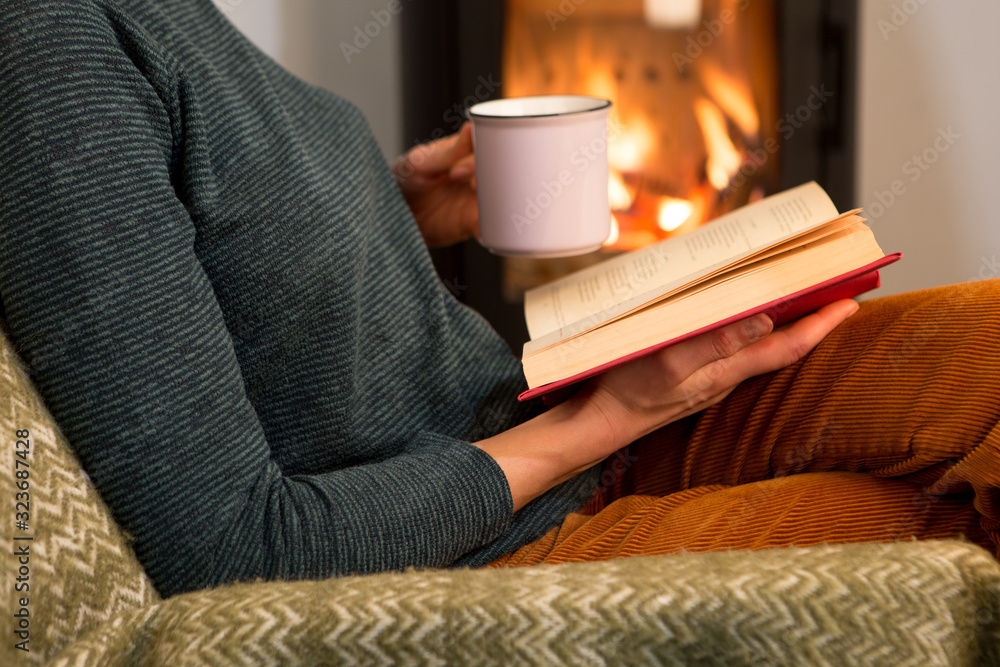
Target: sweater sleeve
(110,307)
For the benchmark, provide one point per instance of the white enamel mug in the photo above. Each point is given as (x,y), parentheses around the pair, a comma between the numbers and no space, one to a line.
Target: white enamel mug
(542,174)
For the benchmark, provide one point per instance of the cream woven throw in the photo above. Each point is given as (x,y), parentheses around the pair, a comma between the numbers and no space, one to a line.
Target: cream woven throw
(90,603)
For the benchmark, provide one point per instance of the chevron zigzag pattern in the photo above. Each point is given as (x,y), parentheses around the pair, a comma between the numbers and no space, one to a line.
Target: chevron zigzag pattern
(927,603)
(83,571)
(908,603)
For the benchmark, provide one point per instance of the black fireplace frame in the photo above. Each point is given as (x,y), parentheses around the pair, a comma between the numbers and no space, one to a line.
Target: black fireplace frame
(452,56)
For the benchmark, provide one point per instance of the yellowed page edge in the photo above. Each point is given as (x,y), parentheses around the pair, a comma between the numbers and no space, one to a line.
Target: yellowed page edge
(593,295)
(849,250)
(845,221)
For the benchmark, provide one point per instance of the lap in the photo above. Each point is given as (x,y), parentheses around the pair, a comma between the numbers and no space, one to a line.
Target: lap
(906,388)
(799,510)
(903,396)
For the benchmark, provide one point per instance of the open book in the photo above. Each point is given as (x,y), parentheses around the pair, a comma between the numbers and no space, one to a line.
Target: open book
(786,255)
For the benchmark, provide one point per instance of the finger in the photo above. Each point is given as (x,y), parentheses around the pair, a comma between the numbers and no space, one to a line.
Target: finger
(745,349)
(688,357)
(463,146)
(776,351)
(773,352)
(440,155)
(464,169)
(459,145)
(789,344)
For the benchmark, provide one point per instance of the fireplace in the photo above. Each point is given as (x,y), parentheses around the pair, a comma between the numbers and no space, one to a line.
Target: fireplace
(717,102)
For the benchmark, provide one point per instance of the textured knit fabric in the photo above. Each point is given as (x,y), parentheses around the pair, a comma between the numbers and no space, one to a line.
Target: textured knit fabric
(227,306)
(914,604)
(909,603)
(81,570)
(889,430)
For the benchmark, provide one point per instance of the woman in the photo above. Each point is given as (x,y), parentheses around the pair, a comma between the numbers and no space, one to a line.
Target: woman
(226,301)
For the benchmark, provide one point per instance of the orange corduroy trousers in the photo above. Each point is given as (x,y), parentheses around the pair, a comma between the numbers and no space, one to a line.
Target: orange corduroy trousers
(888,430)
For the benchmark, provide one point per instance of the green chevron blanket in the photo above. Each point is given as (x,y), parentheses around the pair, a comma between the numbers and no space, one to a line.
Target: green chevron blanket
(88,601)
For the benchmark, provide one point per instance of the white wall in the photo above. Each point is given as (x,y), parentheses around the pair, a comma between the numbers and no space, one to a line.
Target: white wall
(927,66)
(306,37)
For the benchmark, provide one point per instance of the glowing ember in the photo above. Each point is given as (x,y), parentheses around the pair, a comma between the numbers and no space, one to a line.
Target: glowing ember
(673,213)
(723,158)
(618,195)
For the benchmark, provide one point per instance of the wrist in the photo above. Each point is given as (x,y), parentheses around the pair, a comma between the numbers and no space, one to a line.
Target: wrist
(551,448)
(620,423)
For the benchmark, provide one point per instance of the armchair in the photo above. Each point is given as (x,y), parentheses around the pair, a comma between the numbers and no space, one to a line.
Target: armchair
(88,600)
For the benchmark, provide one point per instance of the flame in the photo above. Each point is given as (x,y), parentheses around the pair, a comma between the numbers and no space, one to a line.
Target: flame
(723,158)
(618,195)
(627,149)
(613,236)
(673,213)
(733,96)
(601,83)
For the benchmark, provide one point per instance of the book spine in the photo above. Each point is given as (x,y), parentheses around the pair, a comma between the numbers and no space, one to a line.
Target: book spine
(792,309)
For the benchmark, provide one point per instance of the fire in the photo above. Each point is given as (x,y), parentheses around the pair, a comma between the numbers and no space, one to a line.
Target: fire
(618,195)
(677,135)
(673,213)
(732,96)
(628,149)
(723,158)
(601,83)
(613,236)
(671,14)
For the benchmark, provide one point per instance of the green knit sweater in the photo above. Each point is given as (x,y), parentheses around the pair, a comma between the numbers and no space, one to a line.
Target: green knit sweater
(229,309)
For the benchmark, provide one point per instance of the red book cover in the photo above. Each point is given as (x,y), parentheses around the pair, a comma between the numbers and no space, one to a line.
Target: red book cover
(781,311)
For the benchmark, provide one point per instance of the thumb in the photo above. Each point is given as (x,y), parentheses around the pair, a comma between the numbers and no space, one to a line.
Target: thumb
(463,146)
(442,154)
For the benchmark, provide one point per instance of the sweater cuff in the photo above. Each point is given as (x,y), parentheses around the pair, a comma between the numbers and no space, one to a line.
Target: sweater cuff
(442,499)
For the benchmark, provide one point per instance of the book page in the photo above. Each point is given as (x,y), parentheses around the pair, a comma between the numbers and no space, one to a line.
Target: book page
(599,293)
(766,282)
(844,221)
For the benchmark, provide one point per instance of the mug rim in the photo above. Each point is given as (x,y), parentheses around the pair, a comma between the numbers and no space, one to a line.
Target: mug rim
(595,104)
